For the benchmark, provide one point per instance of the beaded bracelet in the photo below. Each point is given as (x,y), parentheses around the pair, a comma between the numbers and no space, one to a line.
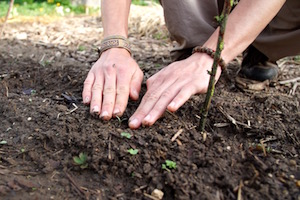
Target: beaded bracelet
(114,41)
(211,53)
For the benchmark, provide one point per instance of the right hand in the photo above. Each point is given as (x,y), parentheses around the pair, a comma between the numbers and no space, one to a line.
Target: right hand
(109,83)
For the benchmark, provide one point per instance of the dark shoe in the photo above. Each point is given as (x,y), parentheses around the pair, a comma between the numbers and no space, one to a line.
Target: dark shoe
(260,72)
(255,66)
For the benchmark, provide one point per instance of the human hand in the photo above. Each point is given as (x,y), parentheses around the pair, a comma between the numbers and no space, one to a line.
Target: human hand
(109,83)
(172,87)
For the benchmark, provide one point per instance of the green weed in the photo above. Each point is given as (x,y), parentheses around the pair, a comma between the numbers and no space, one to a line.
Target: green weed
(81,160)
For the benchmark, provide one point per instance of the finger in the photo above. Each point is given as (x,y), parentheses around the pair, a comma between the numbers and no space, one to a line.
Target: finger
(161,105)
(109,93)
(96,98)
(135,85)
(87,88)
(183,95)
(122,95)
(156,87)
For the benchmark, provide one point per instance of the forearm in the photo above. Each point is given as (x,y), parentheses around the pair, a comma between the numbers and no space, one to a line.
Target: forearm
(244,24)
(115,17)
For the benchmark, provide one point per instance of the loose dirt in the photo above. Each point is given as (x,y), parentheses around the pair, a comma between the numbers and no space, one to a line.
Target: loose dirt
(250,150)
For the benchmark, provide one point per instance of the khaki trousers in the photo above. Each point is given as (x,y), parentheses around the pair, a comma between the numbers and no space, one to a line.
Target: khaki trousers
(191,22)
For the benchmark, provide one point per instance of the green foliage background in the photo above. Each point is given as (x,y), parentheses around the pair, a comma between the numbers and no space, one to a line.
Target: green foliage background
(47,7)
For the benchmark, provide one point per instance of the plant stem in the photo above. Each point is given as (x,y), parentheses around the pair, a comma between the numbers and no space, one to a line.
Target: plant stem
(220,45)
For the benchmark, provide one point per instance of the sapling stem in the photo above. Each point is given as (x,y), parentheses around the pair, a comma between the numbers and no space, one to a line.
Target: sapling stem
(222,19)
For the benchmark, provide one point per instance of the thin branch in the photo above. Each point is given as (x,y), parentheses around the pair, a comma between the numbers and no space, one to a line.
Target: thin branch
(220,45)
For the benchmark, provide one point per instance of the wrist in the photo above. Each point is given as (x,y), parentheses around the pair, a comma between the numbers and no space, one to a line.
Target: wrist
(114,41)
(211,53)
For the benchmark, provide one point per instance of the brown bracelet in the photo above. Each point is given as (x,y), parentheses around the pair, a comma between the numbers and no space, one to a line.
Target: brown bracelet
(114,41)
(211,53)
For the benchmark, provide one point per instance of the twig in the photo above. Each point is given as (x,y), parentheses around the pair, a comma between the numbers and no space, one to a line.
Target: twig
(261,163)
(231,119)
(3,75)
(239,197)
(293,80)
(263,147)
(139,188)
(77,188)
(109,148)
(75,108)
(6,17)
(220,45)
(5,85)
(293,90)
(176,135)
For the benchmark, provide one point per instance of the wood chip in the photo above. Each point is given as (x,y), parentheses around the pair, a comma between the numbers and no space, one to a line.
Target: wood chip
(177,134)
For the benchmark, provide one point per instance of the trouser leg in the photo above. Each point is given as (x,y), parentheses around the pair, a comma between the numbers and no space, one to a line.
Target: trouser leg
(281,37)
(192,22)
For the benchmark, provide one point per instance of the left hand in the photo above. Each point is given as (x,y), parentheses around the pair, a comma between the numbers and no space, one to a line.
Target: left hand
(171,87)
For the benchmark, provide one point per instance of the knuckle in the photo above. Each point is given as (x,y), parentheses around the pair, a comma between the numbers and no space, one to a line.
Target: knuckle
(87,82)
(108,90)
(151,96)
(166,94)
(97,87)
(122,89)
(149,82)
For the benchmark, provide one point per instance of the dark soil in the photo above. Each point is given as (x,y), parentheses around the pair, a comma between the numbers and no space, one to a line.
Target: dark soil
(40,82)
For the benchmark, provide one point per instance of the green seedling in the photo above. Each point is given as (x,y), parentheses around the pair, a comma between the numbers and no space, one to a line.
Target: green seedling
(81,160)
(127,135)
(169,164)
(133,151)
(22,150)
(81,48)
(120,120)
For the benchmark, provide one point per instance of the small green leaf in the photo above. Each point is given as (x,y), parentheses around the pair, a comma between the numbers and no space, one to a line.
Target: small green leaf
(3,142)
(77,160)
(83,157)
(22,150)
(84,166)
(133,151)
(127,135)
(163,166)
(171,164)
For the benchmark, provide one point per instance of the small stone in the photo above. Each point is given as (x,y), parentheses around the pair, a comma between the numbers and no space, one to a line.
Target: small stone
(228,148)
(270,175)
(29,119)
(58,54)
(293,163)
(157,194)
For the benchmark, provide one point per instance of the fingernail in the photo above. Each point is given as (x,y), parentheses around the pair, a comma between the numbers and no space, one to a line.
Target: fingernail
(104,114)
(86,100)
(133,122)
(95,109)
(116,111)
(172,105)
(135,93)
(147,118)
